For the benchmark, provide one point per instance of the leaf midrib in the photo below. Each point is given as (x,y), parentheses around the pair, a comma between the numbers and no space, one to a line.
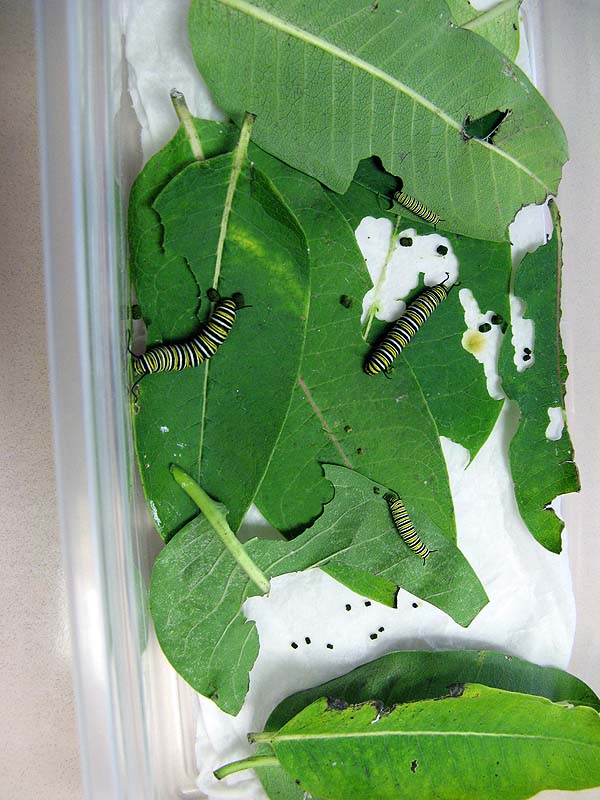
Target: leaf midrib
(292,30)
(477,734)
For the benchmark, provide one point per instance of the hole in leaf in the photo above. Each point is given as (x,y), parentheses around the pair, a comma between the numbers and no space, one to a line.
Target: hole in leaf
(336,704)
(414,765)
(486,127)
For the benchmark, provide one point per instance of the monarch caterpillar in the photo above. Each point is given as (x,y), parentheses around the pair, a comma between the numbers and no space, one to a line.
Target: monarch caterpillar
(191,353)
(417,207)
(405,527)
(402,331)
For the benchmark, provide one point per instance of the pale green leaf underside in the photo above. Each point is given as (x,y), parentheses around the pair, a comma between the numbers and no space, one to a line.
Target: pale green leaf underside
(541,468)
(198,588)
(335,83)
(487,744)
(499,24)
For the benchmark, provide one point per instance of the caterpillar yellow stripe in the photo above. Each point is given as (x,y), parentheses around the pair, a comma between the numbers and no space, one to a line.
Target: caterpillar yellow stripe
(194,351)
(405,527)
(399,335)
(417,207)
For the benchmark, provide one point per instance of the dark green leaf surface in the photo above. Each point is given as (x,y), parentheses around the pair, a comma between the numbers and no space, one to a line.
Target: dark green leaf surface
(335,83)
(541,468)
(205,419)
(338,414)
(486,744)
(404,677)
(198,588)
(156,274)
(410,675)
(499,24)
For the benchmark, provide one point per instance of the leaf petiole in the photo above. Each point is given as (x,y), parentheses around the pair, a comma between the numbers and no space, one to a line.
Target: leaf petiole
(246,763)
(186,119)
(216,518)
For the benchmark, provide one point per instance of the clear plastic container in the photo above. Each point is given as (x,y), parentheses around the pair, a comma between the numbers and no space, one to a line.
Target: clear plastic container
(136,716)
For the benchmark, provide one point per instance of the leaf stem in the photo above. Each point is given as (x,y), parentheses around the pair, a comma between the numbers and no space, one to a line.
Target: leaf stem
(187,121)
(246,763)
(266,737)
(489,15)
(209,508)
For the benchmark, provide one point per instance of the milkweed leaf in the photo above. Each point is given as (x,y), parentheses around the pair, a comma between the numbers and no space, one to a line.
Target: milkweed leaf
(500,745)
(542,464)
(335,83)
(407,676)
(198,588)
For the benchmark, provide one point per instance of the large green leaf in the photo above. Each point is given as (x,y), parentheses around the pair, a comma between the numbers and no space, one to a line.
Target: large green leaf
(338,414)
(198,587)
(541,467)
(404,677)
(499,24)
(475,743)
(206,419)
(437,389)
(335,83)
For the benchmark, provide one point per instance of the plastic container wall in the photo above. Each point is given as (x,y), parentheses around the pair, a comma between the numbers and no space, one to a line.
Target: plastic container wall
(136,717)
(137,732)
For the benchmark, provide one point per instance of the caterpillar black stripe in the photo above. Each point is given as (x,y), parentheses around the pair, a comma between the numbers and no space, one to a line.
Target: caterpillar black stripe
(399,335)
(405,527)
(193,352)
(417,207)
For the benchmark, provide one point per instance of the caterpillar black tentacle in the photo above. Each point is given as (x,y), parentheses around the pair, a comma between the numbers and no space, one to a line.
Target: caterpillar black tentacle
(405,527)
(399,335)
(194,351)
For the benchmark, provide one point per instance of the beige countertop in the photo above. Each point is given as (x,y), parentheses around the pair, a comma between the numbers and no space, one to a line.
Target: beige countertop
(39,754)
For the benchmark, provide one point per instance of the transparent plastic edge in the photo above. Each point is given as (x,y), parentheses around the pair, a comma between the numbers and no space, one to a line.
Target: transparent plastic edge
(78,215)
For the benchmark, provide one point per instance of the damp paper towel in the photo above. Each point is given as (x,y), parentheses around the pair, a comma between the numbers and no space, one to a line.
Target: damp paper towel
(531,612)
